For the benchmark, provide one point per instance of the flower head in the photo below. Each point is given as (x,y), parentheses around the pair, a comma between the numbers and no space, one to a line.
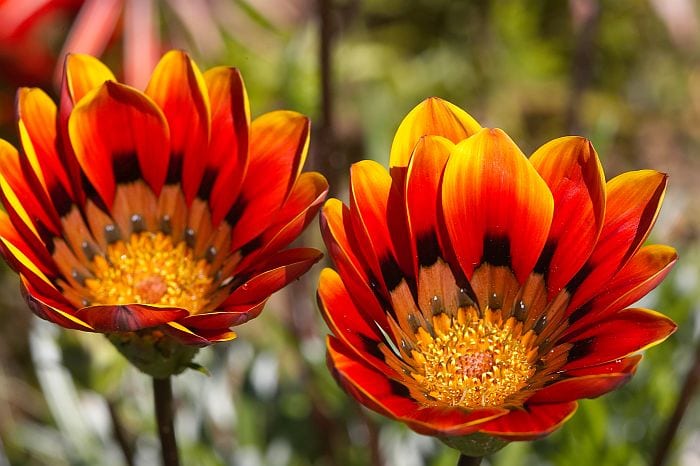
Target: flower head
(158,216)
(479,293)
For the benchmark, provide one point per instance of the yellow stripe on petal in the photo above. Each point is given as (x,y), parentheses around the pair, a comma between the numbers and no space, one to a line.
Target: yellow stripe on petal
(24,260)
(84,73)
(433,116)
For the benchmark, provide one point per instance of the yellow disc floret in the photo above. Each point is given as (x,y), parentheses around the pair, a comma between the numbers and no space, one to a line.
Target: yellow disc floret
(149,268)
(472,361)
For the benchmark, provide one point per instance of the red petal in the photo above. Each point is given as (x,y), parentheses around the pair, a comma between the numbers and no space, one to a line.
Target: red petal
(178,88)
(379,218)
(617,336)
(23,195)
(571,169)
(47,303)
(224,319)
(128,317)
(36,121)
(187,336)
(606,378)
(387,396)
(340,242)
(300,209)
(423,197)
(228,147)
(119,135)
(279,270)
(433,116)
(497,208)
(632,205)
(346,322)
(33,251)
(278,146)
(530,423)
(644,271)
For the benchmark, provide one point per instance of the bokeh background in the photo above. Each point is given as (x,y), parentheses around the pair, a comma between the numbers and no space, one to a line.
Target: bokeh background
(625,74)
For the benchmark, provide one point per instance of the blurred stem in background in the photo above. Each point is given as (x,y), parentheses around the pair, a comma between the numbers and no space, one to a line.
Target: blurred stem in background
(163,400)
(469,460)
(689,389)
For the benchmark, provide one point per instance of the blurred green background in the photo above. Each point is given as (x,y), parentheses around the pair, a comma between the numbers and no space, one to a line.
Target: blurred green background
(625,74)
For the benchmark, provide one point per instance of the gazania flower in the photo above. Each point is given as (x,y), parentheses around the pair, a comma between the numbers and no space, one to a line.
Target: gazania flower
(479,293)
(160,217)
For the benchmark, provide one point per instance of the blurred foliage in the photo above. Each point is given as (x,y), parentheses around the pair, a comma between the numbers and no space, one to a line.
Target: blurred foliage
(625,75)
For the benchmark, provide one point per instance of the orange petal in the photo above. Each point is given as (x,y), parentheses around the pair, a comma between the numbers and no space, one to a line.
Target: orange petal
(274,273)
(644,271)
(624,333)
(36,122)
(433,116)
(178,88)
(279,143)
(343,248)
(379,218)
(571,169)
(632,205)
(423,198)
(299,210)
(119,136)
(228,146)
(497,208)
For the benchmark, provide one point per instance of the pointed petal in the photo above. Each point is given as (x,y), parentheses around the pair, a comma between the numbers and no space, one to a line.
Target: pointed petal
(119,136)
(36,122)
(22,194)
(619,335)
(533,422)
(187,336)
(300,209)
(47,303)
(379,218)
(571,169)
(277,272)
(423,193)
(346,322)
(632,205)
(606,378)
(644,271)
(497,208)
(387,396)
(128,317)
(342,247)
(228,147)
(279,143)
(225,318)
(178,88)
(433,116)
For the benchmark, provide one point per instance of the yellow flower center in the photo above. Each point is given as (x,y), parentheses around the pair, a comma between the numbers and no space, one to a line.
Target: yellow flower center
(150,269)
(473,361)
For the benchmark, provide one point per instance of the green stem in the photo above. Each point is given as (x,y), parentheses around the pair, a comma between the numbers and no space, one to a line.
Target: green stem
(465,460)
(163,399)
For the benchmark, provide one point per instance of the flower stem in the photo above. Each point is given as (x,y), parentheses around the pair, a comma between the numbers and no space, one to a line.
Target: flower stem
(163,399)
(690,387)
(465,460)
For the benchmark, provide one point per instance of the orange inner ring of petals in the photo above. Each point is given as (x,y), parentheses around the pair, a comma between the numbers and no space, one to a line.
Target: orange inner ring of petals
(473,361)
(149,268)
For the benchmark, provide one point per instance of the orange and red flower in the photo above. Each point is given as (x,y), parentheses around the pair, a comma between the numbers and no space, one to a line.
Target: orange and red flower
(478,293)
(162,213)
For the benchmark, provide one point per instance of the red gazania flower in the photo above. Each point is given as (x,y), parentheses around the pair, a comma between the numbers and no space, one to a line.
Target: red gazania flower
(479,293)
(154,216)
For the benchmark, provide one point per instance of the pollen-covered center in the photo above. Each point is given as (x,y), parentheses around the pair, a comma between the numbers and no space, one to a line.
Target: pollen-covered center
(473,361)
(149,268)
